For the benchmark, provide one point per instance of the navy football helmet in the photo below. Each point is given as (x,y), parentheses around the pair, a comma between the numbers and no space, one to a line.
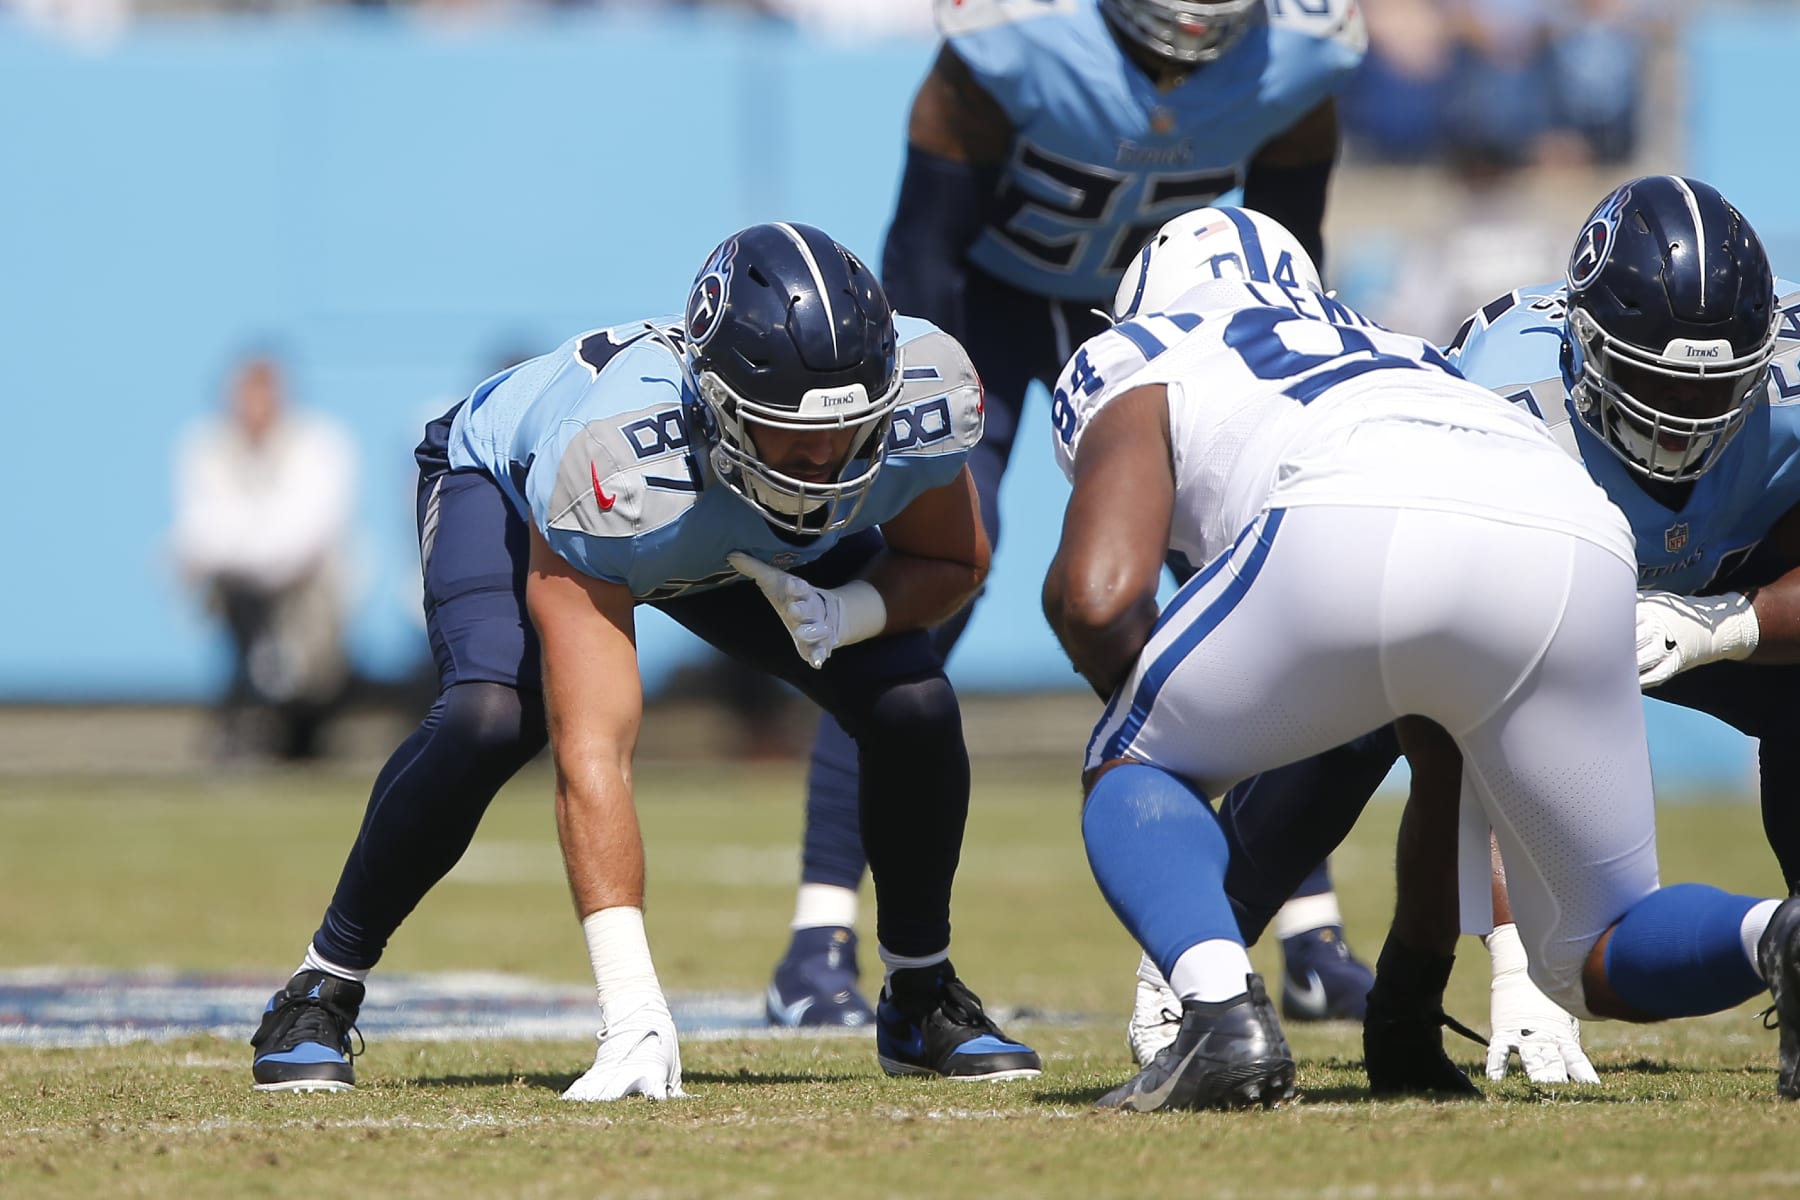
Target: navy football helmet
(785,329)
(1190,32)
(1671,325)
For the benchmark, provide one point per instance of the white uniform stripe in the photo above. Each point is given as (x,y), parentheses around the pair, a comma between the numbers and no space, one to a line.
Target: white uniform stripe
(1693,204)
(812,264)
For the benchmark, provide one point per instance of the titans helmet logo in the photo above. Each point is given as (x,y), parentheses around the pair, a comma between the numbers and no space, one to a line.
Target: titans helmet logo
(1595,242)
(707,300)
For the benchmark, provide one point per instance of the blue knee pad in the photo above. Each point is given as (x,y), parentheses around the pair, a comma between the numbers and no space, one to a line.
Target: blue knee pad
(1678,952)
(1159,856)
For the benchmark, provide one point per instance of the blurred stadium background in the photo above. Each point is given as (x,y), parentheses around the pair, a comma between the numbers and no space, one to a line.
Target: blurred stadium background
(402,197)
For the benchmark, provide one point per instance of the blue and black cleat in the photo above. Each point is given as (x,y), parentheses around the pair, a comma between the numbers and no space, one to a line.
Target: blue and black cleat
(303,1043)
(929,1023)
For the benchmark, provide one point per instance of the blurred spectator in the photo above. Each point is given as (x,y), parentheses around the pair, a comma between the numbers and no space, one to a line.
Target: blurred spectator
(1496,232)
(1393,109)
(865,20)
(263,496)
(1596,65)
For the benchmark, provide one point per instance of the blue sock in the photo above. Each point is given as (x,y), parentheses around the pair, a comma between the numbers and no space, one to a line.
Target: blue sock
(1678,952)
(1159,856)
(832,849)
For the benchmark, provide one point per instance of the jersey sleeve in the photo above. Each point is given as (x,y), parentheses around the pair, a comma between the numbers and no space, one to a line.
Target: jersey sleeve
(940,415)
(1337,24)
(587,503)
(1101,369)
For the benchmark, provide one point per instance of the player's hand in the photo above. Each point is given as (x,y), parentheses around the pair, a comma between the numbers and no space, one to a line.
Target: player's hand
(818,619)
(1529,1023)
(638,1056)
(1675,633)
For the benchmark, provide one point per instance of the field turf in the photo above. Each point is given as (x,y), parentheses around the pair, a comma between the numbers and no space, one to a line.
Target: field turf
(230,873)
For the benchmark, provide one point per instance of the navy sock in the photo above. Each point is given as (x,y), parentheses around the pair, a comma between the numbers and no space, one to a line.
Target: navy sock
(1159,856)
(1678,952)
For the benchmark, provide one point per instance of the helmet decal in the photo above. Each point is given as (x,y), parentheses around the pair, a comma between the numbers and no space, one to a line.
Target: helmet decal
(707,299)
(1593,245)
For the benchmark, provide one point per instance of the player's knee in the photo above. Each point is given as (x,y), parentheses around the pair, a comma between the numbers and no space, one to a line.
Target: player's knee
(491,722)
(918,713)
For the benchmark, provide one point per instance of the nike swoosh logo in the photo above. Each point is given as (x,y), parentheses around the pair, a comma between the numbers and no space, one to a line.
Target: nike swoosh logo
(1313,1000)
(1155,1097)
(605,501)
(788,1014)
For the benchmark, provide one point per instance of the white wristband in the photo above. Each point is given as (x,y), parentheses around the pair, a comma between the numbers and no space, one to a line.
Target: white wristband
(1736,630)
(619,952)
(862,613)
(1506,953)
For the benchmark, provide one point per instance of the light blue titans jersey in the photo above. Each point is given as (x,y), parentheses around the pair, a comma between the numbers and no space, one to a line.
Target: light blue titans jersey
(1514,346)
(1101,158)
(590,443)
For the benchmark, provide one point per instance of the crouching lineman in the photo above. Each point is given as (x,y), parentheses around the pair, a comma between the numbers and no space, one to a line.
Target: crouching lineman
(1665,363)
(789,428)
(1380,539)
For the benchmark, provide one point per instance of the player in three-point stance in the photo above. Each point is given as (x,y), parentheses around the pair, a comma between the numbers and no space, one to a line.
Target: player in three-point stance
(781,470)
(1481,592)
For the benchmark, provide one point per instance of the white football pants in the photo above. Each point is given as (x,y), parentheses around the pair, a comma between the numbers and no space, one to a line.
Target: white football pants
(1324,622)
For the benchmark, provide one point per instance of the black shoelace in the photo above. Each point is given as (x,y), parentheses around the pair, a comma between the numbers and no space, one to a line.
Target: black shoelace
(321,1021)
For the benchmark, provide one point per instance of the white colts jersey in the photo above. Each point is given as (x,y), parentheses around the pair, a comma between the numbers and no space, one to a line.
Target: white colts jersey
(1281,397)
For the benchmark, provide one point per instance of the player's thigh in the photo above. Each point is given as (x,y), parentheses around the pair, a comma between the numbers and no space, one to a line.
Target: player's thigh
(1562,770)
(474,551)
(1270,654)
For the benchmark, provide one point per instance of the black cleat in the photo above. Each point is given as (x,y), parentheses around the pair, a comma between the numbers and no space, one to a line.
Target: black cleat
(303,1043)
(1403,1054)
(928,1023)
(1778,954)
(1229,1054)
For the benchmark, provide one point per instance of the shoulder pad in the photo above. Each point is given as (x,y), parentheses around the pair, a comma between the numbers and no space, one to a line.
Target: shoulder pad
(604,481)
(1332,20)
(1788,302)
(957,17)
(940,408)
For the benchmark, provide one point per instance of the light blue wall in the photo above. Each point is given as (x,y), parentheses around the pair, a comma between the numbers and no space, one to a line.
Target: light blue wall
(399,205)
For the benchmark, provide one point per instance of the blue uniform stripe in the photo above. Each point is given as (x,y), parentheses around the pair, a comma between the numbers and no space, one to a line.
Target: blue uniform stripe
(1313,386)
(1137,297)
(1142,338)
(1183,645)
(1182,599)
(1254,262)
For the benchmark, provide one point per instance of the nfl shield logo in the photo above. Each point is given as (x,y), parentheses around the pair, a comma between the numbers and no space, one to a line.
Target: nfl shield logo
(1675,537)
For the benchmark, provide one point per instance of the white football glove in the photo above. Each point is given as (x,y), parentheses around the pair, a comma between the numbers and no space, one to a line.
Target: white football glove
(638,1056)
(1547,1039)
(818,619)
(1675,632)
(1155,1015)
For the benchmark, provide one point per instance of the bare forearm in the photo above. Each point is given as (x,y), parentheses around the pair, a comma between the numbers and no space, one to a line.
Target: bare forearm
(603,849)
(922,592)
(1103,635)
(1778,622)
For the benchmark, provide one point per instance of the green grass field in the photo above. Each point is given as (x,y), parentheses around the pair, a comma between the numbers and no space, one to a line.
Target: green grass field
(232,874)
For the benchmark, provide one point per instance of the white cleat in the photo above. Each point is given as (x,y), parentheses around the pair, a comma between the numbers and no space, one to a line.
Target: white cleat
(1155,1015)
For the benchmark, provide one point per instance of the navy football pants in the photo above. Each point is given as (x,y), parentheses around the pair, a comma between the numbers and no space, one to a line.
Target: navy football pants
(890,693)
